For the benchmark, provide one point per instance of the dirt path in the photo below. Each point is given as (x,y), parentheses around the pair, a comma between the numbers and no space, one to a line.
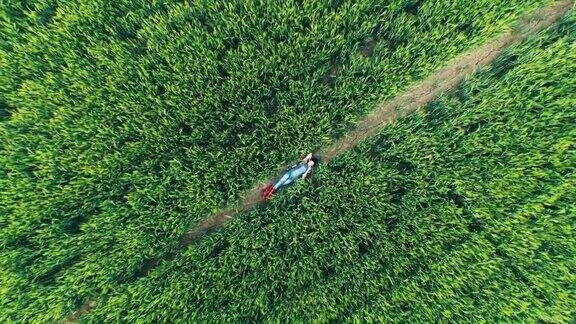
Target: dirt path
(74,317)
(445,79)
(413,98)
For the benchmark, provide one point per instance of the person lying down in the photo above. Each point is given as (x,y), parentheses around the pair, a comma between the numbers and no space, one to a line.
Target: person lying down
(300,170)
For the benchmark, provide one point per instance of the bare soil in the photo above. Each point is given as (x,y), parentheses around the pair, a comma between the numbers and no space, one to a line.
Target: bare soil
(367,48)
(75,316)
(412,99)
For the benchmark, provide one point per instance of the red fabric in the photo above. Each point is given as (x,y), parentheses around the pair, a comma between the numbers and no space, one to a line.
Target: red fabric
(267,192)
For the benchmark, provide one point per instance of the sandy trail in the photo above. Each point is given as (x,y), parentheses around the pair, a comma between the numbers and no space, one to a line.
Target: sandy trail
(413,98)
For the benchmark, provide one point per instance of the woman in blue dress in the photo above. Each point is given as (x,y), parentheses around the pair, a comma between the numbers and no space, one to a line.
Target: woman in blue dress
(299,170)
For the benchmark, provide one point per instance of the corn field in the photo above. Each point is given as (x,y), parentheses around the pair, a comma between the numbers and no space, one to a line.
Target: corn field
(123,123)
(464,211)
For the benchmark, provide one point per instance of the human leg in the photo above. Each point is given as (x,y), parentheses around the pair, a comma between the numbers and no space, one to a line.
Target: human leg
(282,181)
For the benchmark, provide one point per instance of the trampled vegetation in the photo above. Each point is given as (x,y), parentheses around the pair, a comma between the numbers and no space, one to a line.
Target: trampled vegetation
(123,124)
(464,211)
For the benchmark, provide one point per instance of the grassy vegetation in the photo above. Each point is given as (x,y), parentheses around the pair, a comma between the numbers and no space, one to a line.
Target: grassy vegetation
(122,123)
(462,212)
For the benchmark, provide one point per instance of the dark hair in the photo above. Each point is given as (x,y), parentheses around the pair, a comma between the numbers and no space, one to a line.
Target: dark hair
(315,159)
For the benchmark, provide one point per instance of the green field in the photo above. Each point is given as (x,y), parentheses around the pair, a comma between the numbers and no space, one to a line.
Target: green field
(123,124)
(464,211)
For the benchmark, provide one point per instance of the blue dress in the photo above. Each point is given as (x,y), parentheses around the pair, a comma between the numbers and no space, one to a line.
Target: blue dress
(291,175)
